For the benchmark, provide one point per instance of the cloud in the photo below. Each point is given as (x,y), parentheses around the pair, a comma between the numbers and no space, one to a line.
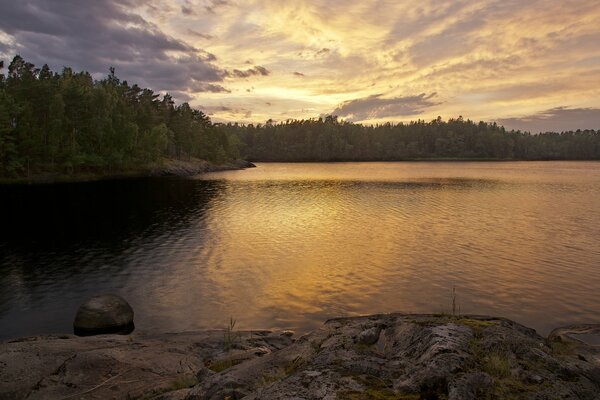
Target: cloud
(256,70)
(557,119)
(214,4)
(187,10)
(376,107)
(106,33)
(234,113)
(476,55)
(199,34)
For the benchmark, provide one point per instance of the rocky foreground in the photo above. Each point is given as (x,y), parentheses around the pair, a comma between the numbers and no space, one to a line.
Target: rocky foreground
(393,356)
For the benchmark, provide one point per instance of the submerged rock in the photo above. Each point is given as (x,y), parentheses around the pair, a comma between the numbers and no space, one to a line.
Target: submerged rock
(104,314)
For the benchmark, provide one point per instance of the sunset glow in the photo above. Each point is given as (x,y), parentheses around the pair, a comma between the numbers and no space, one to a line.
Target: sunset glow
(531,65)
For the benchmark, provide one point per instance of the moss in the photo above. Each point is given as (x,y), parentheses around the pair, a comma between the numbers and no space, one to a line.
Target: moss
(375,389)
(282,372)
(377,394)
(294,366)
(497,365)
(278,375)
(476,323)
(561,348)
(183,382)
(362,347)
(222,365)
(509,389)
(477,326)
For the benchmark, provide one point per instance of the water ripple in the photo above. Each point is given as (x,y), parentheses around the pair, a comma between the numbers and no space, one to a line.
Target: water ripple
(287,246)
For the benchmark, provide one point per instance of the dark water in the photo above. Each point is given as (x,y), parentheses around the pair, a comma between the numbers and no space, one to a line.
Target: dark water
(289,245)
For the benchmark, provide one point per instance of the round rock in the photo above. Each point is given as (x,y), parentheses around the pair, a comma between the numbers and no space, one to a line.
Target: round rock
(104,314)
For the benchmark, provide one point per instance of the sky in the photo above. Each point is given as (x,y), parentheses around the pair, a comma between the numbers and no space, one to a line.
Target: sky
(530,65)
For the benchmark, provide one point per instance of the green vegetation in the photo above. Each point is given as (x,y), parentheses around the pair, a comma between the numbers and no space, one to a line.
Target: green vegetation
(377,394)
(69,123)
(376,389)
(230,336)
(327,139)
(222,365)
(561,348)
(497,365)
(283,371)
(183,382)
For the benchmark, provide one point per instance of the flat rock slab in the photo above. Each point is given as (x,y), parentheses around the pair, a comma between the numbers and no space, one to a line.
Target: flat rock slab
(388,356)
(115,366)
(588,334)
(400,356)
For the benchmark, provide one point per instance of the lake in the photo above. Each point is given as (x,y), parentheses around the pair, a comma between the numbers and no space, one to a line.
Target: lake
(290,245)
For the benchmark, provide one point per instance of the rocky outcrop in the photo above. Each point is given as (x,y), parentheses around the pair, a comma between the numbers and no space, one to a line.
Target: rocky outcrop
(104,314)
(194,167)
(391,356)
(414,357)
(162,366)
(166,167)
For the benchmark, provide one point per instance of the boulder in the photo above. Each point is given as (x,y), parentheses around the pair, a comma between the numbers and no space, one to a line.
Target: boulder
(104,314)
(369,336)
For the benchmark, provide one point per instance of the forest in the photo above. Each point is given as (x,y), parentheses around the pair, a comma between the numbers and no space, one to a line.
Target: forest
(68,122)
(328,139)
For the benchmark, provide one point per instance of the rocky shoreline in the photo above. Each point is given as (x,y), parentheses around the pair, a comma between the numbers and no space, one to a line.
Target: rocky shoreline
(168,167)
(388,356)
(196,167)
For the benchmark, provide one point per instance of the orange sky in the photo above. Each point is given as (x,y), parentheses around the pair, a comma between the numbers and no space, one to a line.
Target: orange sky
(522,63)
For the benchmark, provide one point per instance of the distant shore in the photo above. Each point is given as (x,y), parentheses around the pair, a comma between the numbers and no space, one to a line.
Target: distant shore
(424,159)
(168,167)
(385,356)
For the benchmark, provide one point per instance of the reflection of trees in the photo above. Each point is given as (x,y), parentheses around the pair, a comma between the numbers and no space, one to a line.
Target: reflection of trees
(60,230)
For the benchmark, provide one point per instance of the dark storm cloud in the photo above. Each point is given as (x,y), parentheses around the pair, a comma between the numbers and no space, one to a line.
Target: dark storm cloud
(557,119)
(256,70)
(374,107)
(98,34)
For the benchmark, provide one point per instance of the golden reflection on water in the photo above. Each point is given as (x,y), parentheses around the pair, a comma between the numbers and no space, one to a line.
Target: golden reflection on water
(289,245)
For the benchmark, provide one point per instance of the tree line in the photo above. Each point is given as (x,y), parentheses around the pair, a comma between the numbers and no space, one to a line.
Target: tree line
(68,122)
(328,139)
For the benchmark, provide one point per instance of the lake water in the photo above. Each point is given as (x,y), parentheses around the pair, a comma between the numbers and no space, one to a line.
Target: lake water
(290,245)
